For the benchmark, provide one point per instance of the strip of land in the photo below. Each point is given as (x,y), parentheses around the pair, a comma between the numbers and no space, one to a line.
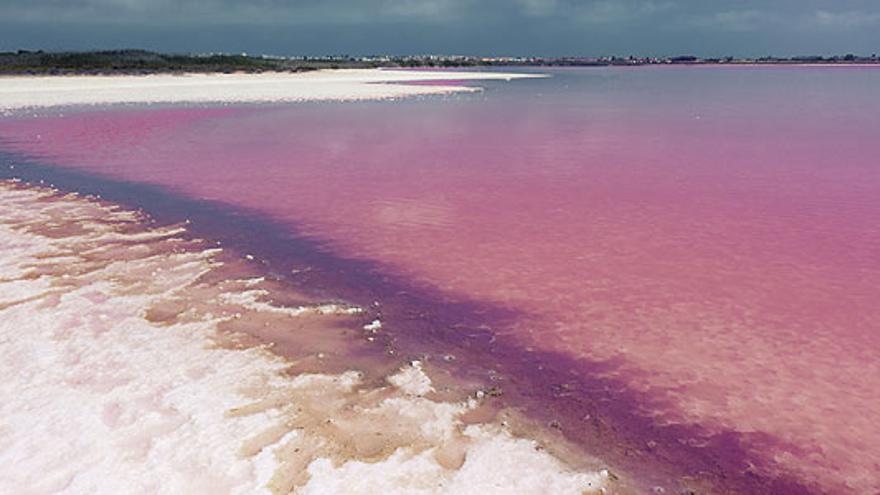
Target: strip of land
(19,92)
(132,61)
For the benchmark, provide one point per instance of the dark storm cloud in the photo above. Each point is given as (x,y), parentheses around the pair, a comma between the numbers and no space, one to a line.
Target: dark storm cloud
(549,27)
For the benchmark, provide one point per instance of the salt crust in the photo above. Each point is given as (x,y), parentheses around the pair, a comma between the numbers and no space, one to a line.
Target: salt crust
(97,398)
(20,92)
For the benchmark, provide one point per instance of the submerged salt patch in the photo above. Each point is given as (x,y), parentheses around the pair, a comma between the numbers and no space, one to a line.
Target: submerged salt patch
(254,300)
(374,326)
(129,405)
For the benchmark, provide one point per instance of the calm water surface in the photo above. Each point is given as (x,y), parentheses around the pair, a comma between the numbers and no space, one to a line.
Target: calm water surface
(696,249)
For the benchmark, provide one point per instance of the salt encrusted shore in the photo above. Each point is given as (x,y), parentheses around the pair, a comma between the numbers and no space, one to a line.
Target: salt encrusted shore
(122,374)
(120,378)
(20,92)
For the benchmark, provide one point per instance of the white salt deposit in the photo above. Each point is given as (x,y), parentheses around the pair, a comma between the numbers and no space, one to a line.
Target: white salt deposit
(373,326)
(253,299)
(100,397)
(412,380)
(18,92)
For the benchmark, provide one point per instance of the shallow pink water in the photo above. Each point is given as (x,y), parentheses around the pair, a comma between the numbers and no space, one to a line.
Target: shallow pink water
(713,233)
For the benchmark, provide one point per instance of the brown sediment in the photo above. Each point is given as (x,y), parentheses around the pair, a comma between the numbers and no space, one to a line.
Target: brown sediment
(25,300)
(324,409)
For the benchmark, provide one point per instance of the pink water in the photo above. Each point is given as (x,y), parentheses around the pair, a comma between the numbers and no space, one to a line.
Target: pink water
(707,239)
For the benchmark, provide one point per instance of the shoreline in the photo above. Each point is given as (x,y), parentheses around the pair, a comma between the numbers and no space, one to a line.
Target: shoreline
(534,388)
(32,92)
(187,341)
(416,326)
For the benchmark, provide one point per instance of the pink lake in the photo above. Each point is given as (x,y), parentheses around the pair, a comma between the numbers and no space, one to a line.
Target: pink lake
(681,266)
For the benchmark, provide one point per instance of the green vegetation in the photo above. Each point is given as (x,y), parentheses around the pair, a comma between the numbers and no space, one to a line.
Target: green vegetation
(145,62)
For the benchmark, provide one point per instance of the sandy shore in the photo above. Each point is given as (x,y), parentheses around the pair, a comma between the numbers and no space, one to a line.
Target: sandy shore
(18,92)
(123,375)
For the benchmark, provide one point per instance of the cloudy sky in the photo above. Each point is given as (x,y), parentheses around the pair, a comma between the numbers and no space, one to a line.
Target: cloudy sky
(478,27)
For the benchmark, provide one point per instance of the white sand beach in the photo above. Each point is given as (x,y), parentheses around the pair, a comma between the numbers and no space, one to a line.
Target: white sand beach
(18,92)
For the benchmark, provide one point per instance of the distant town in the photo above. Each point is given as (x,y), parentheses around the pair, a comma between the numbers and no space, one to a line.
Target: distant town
(145,62)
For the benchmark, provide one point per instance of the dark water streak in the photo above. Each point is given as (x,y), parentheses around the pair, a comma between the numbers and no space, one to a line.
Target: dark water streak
(576,397)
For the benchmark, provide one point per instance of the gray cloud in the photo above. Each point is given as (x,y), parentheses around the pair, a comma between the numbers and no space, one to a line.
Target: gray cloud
(850,19)
(736,20)
(542,27)
(227,11)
